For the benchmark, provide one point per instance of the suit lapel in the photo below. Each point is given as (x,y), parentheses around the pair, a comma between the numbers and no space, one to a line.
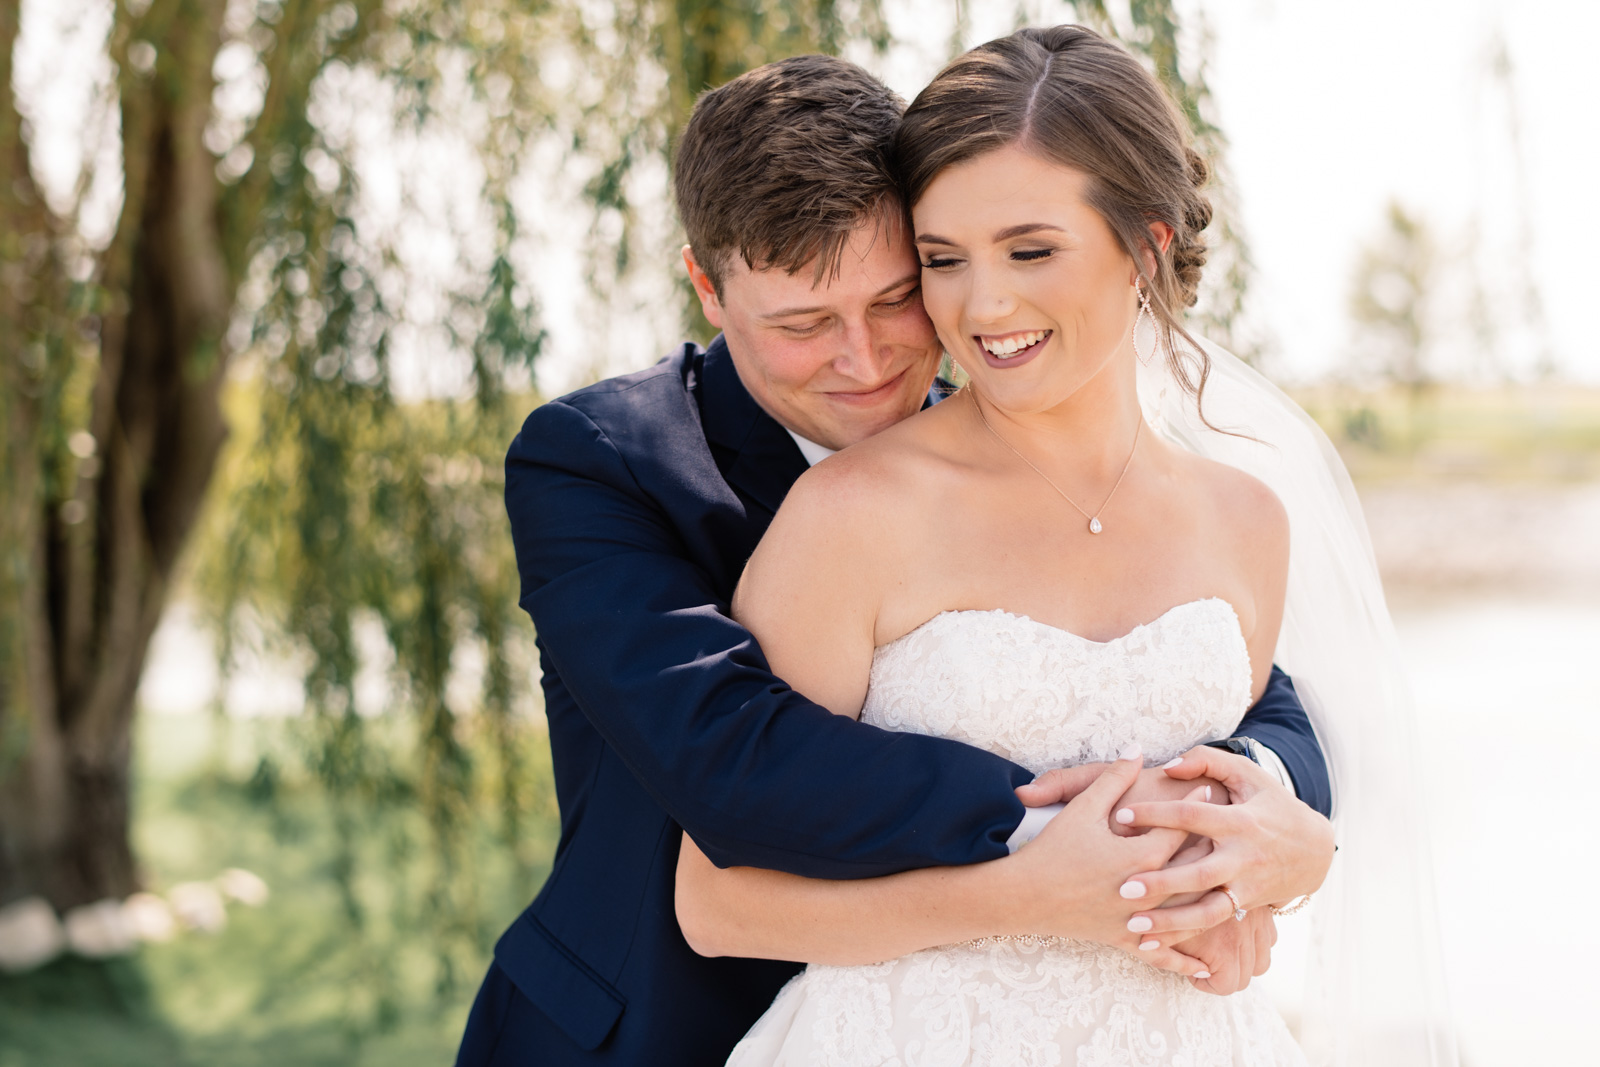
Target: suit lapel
(757,456)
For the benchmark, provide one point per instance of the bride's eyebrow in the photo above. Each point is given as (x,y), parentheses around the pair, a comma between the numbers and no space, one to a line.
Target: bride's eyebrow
(1019,230)
(1025,229)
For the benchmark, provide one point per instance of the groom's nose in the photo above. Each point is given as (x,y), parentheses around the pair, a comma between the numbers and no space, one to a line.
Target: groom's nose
(862,356)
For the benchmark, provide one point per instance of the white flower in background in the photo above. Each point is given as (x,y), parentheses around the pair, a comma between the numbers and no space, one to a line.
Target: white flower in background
(149,917)
(99,930)
(30,935)
(198,906)
(244,886)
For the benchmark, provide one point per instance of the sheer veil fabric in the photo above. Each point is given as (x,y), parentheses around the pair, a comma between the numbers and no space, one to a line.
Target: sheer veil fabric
(1375,988)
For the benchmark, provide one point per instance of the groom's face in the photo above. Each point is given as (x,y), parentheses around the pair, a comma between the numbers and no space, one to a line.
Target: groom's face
(839,360)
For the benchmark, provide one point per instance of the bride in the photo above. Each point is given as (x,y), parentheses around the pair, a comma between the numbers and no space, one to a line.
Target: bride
(1032,567)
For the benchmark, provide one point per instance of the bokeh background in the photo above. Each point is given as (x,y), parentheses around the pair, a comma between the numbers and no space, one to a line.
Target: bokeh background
(280,278)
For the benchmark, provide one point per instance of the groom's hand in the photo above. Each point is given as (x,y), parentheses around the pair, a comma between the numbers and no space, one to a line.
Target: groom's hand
(1269,847)
(1234,952)
(1060,785)
(1154,784)
(1199,926)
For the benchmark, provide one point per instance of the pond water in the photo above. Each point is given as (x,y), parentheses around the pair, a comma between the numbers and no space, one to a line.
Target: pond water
(1509,731)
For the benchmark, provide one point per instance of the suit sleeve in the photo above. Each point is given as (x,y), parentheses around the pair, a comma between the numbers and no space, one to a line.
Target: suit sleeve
(757,774)
(1279,721)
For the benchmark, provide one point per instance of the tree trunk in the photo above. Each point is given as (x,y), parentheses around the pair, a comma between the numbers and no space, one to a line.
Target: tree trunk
(105,544)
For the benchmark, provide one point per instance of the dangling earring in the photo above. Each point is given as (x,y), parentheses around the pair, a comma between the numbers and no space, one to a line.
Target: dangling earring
(1144,312)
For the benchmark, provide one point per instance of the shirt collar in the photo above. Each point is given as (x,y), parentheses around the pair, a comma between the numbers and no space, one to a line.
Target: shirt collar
(813,452)
(816,453)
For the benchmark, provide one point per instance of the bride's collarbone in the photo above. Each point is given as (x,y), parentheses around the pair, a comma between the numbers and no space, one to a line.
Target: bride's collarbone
(964,542)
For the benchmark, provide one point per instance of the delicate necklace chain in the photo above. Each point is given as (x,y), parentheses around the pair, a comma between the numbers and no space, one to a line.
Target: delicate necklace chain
(1094,520)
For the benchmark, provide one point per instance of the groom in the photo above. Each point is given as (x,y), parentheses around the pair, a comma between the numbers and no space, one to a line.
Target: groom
(634,504)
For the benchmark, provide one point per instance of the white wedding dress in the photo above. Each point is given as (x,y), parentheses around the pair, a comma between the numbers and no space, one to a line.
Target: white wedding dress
(1043,697)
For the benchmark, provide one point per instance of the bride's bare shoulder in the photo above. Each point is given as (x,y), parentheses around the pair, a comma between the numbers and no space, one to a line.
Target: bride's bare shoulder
(897,469)
(847,531)
(1245,507)
(862,507)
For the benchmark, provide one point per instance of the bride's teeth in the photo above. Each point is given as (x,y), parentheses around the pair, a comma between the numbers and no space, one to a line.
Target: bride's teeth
(1012,345)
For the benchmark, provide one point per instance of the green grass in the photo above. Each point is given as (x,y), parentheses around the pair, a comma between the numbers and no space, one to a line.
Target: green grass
(383,974)
(1510,434)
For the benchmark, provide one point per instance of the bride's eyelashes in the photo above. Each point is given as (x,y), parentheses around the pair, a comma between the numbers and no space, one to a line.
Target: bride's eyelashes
(1020,255)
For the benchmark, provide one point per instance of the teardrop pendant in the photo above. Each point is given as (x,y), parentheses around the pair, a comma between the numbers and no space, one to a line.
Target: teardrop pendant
(1094,525)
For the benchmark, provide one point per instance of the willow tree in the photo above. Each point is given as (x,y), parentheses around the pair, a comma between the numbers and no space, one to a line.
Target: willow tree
(248,249)
(258,267)
(237,245)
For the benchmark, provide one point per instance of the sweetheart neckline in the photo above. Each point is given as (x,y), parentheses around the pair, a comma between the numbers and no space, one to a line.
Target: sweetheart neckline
(1062,629)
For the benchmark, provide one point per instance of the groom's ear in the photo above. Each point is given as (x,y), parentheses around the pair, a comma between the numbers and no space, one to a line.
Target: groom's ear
(704,288)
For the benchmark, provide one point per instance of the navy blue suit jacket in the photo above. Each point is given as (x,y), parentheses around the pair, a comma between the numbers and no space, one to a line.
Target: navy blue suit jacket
(634,505)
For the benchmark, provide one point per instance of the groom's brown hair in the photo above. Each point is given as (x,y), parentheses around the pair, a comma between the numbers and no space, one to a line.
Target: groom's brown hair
(782,163)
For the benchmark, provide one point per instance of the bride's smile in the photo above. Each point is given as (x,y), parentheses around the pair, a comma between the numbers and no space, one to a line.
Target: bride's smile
(1013,350)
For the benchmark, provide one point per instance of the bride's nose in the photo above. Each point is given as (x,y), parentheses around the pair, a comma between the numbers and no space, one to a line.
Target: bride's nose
(989,299)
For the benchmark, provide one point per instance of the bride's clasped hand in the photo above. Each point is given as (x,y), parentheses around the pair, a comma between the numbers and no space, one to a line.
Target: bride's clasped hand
(1071,880)
(1240,829)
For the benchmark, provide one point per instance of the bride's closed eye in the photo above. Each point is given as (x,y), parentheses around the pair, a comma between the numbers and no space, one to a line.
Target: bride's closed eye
(1029,255)
(939,262)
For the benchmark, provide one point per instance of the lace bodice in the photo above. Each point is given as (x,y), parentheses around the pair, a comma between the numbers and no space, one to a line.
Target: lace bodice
(1043,697)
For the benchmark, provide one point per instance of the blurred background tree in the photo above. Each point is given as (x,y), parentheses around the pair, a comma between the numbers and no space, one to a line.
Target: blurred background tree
(320,244)
(1391,308)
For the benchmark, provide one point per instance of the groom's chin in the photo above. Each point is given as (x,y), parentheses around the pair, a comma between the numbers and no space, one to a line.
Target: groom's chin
(849,424)
(850,418)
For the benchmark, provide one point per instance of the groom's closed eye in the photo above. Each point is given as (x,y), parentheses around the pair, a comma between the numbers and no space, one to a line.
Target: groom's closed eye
(905,301)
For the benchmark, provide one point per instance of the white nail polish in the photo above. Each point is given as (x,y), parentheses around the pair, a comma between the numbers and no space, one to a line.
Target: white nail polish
(1124,815)
(1146,946)
(1132,890)
(1131,752)
(1139,924)
(1171,763)
(1202,974)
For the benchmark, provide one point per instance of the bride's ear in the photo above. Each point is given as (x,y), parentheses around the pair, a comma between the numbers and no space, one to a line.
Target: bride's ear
(1161,235)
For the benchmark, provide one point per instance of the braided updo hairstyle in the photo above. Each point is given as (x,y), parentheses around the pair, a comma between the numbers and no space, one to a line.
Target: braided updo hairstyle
(1071,96)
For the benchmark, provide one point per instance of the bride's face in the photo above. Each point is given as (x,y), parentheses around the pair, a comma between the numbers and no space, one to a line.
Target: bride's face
(1029,289)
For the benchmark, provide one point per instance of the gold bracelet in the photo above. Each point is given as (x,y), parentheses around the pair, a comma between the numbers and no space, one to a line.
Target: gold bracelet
(1292,908)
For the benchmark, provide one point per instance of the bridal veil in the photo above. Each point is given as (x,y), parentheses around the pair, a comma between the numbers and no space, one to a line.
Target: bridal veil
(1375,990)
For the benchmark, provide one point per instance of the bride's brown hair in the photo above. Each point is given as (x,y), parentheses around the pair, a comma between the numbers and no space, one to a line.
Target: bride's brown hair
(1071,96)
